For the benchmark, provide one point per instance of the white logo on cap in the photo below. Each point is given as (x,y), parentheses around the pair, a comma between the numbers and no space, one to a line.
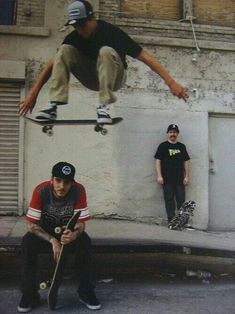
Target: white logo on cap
(66,170)
(75,12)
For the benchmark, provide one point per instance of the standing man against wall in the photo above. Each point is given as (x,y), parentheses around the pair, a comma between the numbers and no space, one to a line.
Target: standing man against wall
(172,166)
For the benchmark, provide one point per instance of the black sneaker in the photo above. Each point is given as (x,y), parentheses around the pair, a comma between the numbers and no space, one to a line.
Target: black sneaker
(89,299)
(103,115)
(48,113)
(28,302)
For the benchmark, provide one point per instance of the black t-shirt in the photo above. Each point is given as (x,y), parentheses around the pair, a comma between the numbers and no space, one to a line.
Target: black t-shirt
(172,158)
(106,35)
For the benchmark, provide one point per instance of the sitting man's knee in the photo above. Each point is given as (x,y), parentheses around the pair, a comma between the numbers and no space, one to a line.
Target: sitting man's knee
(29,239)
(84,238)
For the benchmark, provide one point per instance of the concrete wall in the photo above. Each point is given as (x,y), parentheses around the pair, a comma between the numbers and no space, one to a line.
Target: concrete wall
(118,170)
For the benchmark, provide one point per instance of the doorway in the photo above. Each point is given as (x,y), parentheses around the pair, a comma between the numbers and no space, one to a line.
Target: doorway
(222,172)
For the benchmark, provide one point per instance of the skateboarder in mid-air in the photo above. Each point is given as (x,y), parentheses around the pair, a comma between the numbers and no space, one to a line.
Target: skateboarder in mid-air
(95,53)
(53,203)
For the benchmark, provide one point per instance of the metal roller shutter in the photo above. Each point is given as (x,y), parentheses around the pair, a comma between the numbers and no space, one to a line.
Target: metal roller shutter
(9,147)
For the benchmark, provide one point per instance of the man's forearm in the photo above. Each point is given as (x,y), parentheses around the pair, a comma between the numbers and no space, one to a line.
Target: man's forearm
(186,169)
(43,77)
(39,232)
(154,65)
(158,168)
(80,227)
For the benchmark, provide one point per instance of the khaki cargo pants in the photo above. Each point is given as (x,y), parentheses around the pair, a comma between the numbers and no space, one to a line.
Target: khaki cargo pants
(105,76)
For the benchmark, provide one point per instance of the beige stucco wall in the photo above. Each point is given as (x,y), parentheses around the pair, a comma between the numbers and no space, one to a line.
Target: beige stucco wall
(118,170)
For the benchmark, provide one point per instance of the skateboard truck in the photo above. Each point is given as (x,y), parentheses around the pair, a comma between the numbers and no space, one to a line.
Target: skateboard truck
(100,128)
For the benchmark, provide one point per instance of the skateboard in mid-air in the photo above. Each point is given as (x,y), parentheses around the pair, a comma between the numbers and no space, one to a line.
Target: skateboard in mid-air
(183,215)
(47,125)
(55,283)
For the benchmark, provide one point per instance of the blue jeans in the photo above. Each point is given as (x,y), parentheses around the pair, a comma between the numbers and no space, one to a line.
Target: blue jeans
(173,194)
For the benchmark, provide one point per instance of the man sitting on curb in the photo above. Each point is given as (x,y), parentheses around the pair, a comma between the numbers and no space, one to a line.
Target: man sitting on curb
(53,203)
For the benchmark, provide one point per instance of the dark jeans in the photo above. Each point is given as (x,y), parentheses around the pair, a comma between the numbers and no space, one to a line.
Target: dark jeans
(173,193)
(33,245)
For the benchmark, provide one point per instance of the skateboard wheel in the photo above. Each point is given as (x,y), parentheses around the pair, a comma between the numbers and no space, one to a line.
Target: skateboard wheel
(48,130)
(97,128)
(58,230)
(43,285)
(104,131)
(45,128)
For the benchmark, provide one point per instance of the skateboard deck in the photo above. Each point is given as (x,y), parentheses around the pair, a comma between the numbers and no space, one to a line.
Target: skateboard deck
(60,267)
(47,126)
(183,215)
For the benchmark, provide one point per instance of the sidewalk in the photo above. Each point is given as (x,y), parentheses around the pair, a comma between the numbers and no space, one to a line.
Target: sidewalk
(125,233)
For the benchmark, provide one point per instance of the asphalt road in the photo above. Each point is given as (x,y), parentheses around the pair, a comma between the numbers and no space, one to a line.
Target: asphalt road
(166,294)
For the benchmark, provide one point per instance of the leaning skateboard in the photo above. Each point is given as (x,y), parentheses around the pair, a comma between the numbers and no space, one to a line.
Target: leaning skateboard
(54,284)
(47,126)
(183,215)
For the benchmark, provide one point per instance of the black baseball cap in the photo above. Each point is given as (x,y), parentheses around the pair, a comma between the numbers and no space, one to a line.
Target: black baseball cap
(79,12)
(173,127)
(63,170)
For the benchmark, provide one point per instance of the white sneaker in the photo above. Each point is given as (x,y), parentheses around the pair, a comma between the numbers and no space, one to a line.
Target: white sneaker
(103,115)
(48,113)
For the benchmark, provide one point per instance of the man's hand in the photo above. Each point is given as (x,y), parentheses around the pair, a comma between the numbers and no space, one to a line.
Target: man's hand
(178,90)
(160,180)
(154,64)
(27,105)
(68,236)
(56,248)
(186,181)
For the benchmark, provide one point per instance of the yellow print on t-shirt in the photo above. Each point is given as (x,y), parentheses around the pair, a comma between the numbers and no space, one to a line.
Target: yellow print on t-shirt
(173,152)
